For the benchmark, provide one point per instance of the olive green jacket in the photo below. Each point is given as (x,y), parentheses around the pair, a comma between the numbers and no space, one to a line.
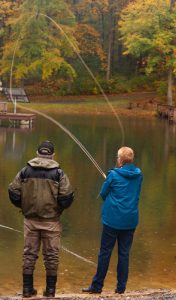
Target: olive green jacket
(41,189)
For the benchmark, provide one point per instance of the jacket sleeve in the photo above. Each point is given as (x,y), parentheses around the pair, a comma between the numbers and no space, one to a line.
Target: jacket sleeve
(65,195)
(106,186)
(14,190)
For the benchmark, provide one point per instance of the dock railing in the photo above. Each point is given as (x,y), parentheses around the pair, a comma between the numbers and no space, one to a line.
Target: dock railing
(3,107)
(167,112)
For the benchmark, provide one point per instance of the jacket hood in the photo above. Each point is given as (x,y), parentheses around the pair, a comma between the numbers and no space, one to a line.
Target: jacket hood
(128,171)
(40,162)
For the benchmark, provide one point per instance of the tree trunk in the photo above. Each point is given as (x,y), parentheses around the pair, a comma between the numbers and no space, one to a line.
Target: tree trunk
(110,41)
(170,71)
(108,74)
(114,50)
(172,2)
(169,90)
(103,30)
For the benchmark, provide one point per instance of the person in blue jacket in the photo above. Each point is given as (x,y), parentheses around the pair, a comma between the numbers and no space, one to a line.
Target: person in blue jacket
(120,216)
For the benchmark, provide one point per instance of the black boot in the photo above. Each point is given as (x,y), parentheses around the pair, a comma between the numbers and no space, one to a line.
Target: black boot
(50,286)
(28,290)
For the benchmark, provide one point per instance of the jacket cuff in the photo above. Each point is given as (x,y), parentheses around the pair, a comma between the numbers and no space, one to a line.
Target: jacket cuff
(65,201)
(15,198)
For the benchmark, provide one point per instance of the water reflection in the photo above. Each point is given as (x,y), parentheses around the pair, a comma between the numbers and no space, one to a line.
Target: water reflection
(153,257)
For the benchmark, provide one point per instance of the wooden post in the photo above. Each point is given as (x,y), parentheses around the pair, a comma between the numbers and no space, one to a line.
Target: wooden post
(169,89)
(170,70)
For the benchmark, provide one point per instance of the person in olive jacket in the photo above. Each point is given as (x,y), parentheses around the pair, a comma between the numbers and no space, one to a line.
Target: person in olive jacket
(42,191)
(120,215)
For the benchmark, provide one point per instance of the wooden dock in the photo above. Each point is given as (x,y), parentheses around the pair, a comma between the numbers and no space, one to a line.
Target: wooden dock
(167,112)
(18,118)
(143,105)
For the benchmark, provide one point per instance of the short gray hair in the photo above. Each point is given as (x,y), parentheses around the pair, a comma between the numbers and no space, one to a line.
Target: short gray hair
(126,155)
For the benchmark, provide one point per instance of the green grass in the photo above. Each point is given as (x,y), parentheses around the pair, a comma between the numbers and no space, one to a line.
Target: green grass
(88,105)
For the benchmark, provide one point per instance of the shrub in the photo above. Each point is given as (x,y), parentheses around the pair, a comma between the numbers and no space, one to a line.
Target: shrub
(161,87)
(86,86)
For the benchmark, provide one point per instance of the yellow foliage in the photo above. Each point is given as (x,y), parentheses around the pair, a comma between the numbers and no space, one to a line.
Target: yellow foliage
(148,29)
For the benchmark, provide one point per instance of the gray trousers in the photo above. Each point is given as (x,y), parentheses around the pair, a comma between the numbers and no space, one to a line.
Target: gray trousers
(37,232)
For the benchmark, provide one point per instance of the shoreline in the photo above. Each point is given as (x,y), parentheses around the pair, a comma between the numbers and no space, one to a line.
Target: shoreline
(87,109)
(147,294)
(95,104)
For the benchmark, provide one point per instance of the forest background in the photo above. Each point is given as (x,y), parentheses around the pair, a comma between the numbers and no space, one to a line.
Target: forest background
(128,45)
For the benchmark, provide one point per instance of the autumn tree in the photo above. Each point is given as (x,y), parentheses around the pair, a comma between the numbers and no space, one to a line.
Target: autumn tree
(148,30)
(7,9)
(109,14)
(103,16)
(170,68)
(87,35)
(42,50)
(88,40)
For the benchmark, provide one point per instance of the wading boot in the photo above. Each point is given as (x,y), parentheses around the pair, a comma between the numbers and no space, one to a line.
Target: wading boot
(28,290)
(50,286)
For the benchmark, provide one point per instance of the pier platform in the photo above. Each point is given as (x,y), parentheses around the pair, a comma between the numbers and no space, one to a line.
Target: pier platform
(167,112)
(18,118)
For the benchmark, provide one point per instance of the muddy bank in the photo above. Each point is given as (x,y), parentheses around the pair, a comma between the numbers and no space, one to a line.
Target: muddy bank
(148,294)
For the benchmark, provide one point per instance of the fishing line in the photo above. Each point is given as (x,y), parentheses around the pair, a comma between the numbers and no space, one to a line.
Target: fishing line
(62,247)
(48,117)
(10,228)
(93,77)
(70,135)
(58,123)
(91,74)
(66,131)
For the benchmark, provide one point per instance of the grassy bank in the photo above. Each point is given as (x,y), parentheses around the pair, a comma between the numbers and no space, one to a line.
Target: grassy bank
(90,108)
(92,105)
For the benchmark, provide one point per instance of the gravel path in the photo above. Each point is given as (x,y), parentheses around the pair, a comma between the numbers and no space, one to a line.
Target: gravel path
(160,294)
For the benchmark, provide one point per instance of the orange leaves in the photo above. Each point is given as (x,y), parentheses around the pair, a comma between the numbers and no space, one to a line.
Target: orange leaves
(6,9)
(89,41)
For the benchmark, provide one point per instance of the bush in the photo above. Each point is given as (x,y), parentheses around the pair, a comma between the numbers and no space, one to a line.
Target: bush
(86,86)
(161,87)
(123,84)
(117,84)
(140,83)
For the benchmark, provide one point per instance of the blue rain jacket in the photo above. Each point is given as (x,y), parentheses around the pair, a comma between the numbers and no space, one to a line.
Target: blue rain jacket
(120,193)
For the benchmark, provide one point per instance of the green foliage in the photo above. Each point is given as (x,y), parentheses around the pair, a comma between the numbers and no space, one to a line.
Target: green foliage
(161,87)
(148,30)
(86,86)
(123,84)
(41,49)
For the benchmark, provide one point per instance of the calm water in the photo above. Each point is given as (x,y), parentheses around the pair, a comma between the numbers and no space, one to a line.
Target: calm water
(153,256)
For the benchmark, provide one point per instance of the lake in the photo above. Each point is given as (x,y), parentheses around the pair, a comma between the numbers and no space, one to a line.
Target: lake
(153,255)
